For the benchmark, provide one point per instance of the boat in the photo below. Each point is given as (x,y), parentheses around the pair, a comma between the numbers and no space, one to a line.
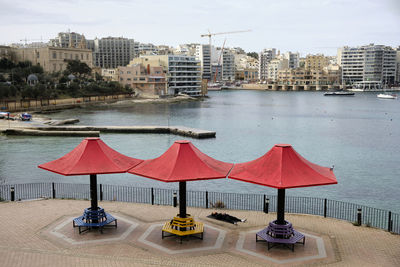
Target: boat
(339,93)
(26,116)
(4,115)
(214,86)
(387,96)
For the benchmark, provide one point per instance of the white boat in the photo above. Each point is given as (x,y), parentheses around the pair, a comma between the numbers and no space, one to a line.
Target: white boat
(387,96)
(339,93)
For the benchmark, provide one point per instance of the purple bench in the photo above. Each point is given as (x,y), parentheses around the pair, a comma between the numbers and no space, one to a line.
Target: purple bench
(280,234)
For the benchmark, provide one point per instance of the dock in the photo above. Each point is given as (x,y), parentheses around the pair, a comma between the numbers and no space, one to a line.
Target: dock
(78,130)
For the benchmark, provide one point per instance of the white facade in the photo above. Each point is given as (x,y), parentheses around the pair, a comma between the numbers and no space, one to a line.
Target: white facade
(112,52)
(184,75)
(274,66)
(264,58)
(206,56)
(398,65)
(368,63)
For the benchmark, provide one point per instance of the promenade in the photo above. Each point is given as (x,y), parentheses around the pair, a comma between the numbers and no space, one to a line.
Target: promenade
(40,233)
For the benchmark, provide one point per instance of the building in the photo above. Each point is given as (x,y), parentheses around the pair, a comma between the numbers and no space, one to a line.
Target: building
(398,65)
(368,63)
(7,52)
(53,59)
(246,68)
(264,58)
(149,80)
(293,59)
(69,39)
(183,73)
(274,66)
(147,49)
(228,66)
(110,74)
(309,79)
(206,56)
(112,52)
(316,62)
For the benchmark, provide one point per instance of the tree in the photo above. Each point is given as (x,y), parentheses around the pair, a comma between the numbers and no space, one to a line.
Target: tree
(77,67)
(6,64)
(253,54)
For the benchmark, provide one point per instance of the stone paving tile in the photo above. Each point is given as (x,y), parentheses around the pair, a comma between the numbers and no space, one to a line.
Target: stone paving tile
(22,242)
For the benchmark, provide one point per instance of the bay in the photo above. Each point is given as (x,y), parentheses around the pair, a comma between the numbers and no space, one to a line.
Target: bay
(358,135)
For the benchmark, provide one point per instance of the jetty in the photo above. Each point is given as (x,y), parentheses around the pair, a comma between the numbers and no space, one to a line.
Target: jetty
(90,131)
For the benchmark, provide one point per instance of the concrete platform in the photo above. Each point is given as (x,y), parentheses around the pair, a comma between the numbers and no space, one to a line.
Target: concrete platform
(40,233)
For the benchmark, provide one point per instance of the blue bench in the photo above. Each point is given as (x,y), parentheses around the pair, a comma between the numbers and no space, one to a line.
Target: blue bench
(276,234)
(94,219)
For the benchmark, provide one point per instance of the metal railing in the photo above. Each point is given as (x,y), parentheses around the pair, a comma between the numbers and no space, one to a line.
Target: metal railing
(351,212)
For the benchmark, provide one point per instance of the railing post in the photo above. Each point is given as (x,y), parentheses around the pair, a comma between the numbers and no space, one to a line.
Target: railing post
(266,204)
(325,207)
(359,217)
(101,192)
(152,196)
(53,190)
(175,199)
(12,193)
(390,225)
(206,199)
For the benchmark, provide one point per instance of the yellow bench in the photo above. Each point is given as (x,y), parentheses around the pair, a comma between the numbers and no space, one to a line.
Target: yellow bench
(183,227)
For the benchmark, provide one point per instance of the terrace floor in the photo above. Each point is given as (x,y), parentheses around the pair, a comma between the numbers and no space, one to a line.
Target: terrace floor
(40,233)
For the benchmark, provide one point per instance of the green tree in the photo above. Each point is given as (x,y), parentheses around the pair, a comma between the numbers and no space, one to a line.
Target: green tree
(77,67)
(253,54)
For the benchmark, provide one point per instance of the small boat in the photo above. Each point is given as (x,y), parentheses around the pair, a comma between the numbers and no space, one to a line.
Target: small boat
(339,93)
(4,115)
(387,96)
(26,116)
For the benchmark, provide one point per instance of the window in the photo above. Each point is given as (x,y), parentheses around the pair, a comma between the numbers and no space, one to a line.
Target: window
(54,55)
(82,56)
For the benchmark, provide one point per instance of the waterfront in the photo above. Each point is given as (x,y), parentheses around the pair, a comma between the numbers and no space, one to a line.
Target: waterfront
(359,135)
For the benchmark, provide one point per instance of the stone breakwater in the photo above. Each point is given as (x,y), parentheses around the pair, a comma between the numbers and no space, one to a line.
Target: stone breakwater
(96,130)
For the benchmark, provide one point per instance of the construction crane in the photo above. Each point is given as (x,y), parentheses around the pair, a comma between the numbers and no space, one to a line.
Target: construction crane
(219,61)
(209,35)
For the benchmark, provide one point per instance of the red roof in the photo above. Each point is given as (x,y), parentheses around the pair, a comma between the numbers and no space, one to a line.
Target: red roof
(91,156)
(282,167)
(182,162)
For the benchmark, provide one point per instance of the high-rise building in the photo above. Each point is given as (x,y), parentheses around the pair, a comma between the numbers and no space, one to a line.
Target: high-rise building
(397,80)
(203,54)
(112,52)
(228,66)
(274,66)
(264,58)
(183,72)
(368,63)
(293,58)
(71,40)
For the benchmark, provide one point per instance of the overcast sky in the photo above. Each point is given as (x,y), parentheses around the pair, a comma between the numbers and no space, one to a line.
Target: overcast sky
(307,26)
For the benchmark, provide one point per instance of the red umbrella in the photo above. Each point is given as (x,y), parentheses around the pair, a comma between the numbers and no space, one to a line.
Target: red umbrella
(180,163)
(92,156)
(282,167)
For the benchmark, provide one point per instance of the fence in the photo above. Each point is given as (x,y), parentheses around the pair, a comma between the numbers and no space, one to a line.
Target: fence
(369,216)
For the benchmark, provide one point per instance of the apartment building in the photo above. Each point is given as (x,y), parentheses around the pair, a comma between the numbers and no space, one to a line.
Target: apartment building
(301,77)
(149,80)
(293,59)
(264,58)
(111,52)
(110,74)
(53,59)
(398,65)
(274,66)
(368,63)
(228,66)
(183,73)
(316,62)
(207,56)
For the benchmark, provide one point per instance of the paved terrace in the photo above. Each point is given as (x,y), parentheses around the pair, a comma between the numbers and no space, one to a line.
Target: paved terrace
(40,233)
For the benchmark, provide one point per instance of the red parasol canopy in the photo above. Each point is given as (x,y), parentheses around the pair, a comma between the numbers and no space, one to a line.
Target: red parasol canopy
(182,162)
(91,156)
(282,167)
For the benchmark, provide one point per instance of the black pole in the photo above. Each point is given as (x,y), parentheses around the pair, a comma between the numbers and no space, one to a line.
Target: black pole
(101,192)
(152,196)
(182,199)
(281,207)
(359,217)
(325,207)
(206,199)
(12,193)
(175,199)
(53,190)
(93,191)
(390,222)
